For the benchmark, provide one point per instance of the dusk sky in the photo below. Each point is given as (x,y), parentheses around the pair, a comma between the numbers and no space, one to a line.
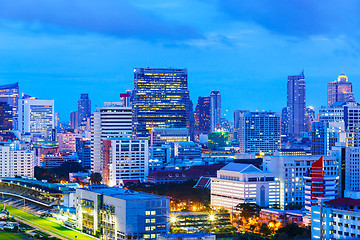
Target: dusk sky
(59,49)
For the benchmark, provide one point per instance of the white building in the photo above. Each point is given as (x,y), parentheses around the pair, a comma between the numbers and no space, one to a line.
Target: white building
(16,162)
(118,213)
(36,116)
(124,159)
(244,183)
(336,219)
(291,171)
(67,142)
(111,120)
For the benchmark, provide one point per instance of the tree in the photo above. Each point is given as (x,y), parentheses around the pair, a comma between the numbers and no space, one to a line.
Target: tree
(264,230)
(95,178)
(292,231)
(247,210)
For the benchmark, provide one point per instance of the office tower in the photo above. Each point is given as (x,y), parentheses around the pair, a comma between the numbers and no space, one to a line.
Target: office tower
(321,183)
(83,151)
(340,90)
(261,132)
(239,127)
(111,120)
(285,121)
(160,136)
(56,120)
(16,161)
(125,99)
(84,109)
(160,100)
(6,121)
(129,214)
(290,171)
(67,142)
(215,110)
(296,104)
(36,116)
(74,120)
(244,183)
(191,120)
(202,116)
(347,112)
(10,94)
(309,118)
(125,160)
(325,135)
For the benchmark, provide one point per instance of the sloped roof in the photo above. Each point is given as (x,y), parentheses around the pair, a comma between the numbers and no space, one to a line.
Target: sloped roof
(241,167)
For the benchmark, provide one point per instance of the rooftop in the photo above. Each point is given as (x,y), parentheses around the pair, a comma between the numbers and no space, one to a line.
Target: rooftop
(241,167)
(344,202)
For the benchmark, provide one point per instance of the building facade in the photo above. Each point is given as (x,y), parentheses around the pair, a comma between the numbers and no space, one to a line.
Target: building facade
(160,136)
(10,94)
(6,121)
(324,135)
(339,90)
(118,213)
(36,116)
(160,100)
(215,110)
(202,116)
(84,109)
(15,161)
(83,150)
(111,120)
(296,104)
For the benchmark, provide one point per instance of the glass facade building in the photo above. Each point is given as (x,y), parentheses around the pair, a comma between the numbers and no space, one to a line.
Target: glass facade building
(84,109)
(202,115)
(160,100)
(10,94)
(340,90)
(6,120)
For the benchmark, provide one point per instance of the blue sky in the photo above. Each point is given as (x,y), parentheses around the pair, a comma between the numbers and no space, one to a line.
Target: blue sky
(245,49)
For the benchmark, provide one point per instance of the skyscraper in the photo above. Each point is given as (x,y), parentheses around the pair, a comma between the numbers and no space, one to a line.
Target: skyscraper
(239,127)
(6,120)
(84,109)
(10,94)
(74,120)
(296,104)
(261,132)
(160,100)
(215,110)
(340,90)
(36,116)
(202,116)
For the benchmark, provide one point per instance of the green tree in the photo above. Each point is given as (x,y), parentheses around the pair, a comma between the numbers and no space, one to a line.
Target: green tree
(95,178)
(292,231)
(247,210)
(264,230)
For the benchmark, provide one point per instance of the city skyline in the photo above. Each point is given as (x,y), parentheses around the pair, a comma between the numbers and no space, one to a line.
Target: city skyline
(246,58)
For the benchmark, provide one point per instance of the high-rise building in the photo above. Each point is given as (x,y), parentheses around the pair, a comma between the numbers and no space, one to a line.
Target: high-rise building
(309,118)
(296,104)
(119,213)
(84,109)
(125,159)
(10,94)
(6,121)
(261,132)
(16,161)
(239,127)
(67,142)
(284,121)
(325,135)
(160,100)
(160,136)
(340,90)
(83,151)
(125,99)
(111,120)
(215,110)
(74,120)
(36,116)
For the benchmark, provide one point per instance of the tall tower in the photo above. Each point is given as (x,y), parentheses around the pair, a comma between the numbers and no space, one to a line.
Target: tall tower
(340,90)
(84,109)
(10,94)
(160,100)
(202,115)
(296,104)
(215,110)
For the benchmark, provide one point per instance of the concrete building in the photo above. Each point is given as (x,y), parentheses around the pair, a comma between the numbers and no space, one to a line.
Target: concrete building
(84,110)
(324,135)
(117,213)
(67,142)
(336,219)
(54,161)
(111,120)
(15,161)
(239,128)
(244,183)
(124,159)
(215,111)
(83,150)
(161,136)
(296,104)
(291,171)
(36,116)
(74,120)
(340,90)
(159,157)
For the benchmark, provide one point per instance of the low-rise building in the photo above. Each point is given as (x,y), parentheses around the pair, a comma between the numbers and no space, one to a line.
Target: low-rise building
(117,213)
(244,183)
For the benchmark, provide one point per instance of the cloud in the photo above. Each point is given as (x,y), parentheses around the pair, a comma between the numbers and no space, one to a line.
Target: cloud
(109,17)
(298,18)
